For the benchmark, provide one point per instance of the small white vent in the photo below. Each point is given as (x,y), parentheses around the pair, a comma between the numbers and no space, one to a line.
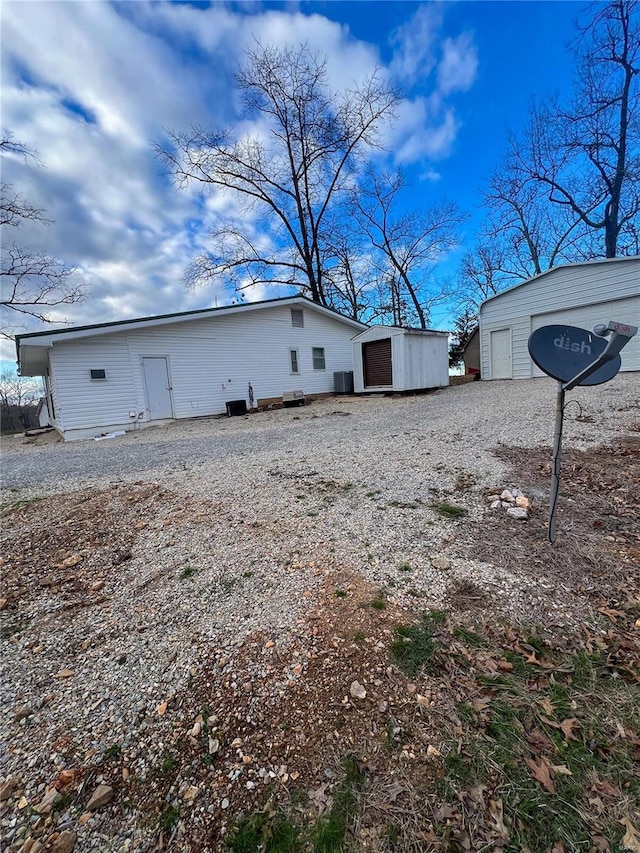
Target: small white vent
(297,318)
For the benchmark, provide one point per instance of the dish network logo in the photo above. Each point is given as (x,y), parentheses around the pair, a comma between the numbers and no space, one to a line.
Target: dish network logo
(564,342)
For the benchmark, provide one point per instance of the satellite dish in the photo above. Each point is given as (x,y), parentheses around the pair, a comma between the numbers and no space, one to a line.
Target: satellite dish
(565,351)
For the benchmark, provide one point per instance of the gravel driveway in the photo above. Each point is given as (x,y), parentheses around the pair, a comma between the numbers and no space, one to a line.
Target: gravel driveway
(406,440)
(166,554)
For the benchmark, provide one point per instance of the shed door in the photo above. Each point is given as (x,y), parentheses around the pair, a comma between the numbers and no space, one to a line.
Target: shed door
(156,382)
(501,354)
(376,358)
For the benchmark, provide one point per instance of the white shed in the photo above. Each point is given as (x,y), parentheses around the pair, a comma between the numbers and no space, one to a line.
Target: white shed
(390,358)
(113,376)
(576,295)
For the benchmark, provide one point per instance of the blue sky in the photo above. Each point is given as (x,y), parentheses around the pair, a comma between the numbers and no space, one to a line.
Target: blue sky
(92,85)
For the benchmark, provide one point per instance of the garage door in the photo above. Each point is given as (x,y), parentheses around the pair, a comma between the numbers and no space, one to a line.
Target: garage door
(501,354)
(376,357)
(586,316)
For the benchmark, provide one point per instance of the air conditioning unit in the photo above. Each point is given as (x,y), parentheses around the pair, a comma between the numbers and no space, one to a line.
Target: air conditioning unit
(293,398)
(343,382)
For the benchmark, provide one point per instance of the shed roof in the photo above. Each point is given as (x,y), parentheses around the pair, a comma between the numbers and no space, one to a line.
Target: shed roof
(399,330)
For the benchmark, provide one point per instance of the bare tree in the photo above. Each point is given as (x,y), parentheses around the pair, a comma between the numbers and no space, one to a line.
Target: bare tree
(410,244)
(482,274)
(31,281)
(18,398)
(289,174)
(585,156)
(525,233)
(350,276)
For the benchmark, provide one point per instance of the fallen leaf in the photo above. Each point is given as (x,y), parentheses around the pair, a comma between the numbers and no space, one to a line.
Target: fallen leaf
(567,727)
(597,804)
(476,794)
(612,614)
(561,770)
(162,707)
(607,789)
(444,813)
(546,704)
(497,818)
(631,839)
(540,742)
(541,772)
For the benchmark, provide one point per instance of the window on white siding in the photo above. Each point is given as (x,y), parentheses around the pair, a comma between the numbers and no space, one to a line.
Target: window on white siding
(297,318)
(317,353)
(98,374)
(293,361)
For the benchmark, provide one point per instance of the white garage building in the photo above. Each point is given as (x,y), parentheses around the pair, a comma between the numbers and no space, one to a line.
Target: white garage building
(576,294)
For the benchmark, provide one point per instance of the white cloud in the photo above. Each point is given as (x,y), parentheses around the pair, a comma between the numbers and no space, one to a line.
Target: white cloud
(425,129)
(459,64)
(415,44)
(92,85)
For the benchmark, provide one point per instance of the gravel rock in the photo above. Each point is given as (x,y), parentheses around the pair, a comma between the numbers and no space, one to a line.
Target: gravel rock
(357,691)
(65,842)
(518,513)
(212,534)
(102,795)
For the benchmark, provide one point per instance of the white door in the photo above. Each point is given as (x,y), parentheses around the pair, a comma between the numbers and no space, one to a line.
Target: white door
(501,354)
(158,387)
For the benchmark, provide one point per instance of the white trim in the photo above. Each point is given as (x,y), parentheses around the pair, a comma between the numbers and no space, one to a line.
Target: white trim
(324,359)
(293,372)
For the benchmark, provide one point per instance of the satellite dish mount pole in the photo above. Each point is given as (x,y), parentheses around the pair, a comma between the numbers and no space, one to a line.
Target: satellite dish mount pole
(556,462)
(621,334)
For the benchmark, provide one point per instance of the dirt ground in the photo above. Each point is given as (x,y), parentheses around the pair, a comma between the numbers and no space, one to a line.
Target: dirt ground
(343,694)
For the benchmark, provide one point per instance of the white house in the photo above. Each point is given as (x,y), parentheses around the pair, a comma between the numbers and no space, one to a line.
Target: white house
(112,376)
(576,295)
(391,358)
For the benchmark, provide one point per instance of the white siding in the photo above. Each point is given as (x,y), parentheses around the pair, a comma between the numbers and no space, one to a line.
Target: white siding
(211,360)
(564,293)
(81,402)
(419,359)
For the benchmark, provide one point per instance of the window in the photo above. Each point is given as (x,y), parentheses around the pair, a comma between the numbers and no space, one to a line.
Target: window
(98,374)
(317,353)
(293,357)
(297,318)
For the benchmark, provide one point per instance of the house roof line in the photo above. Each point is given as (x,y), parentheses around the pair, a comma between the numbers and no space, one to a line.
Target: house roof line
(554,269)
(182,316)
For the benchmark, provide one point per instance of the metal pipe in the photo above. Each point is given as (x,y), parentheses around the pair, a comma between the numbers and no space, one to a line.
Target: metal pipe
(556,462)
